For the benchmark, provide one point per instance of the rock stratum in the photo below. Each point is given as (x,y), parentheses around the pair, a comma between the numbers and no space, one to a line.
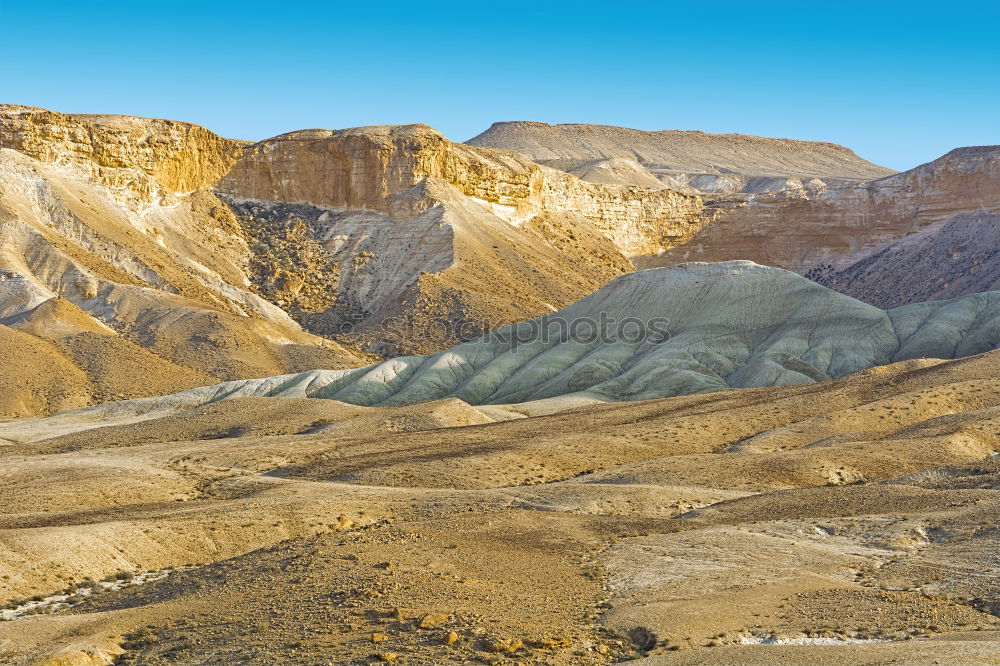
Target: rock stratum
(692,329)
(957,257)
(835,227)
(121,273)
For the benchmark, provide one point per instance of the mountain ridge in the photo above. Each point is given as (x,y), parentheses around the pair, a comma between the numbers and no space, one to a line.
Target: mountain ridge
(710,163)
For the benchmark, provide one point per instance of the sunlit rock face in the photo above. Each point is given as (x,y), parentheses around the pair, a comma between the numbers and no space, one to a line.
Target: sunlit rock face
(835,226)
(376,168)
(117,259)
(429,230)
(138,159)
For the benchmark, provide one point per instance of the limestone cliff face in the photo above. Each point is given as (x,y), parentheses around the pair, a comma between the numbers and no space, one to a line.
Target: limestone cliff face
(442,233)
(837,226)
(372,168)
(141,159)
(375,168)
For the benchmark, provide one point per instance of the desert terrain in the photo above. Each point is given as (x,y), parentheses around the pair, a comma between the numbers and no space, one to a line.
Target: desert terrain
(848,521)
(370,395)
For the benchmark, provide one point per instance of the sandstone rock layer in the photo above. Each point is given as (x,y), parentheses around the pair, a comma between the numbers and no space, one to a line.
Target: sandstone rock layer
(837,226)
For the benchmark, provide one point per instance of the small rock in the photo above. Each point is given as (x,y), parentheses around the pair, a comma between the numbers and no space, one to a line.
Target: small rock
(379,638)
(451,638)
(554,643)
(505,645)
(433,620)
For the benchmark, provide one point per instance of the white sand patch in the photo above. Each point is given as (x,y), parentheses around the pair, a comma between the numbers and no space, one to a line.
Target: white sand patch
(806,640)
(58,602)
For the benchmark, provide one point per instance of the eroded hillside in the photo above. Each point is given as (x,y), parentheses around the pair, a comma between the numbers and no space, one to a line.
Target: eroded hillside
(423,230)
(695,328)
(956,257)
(119,261)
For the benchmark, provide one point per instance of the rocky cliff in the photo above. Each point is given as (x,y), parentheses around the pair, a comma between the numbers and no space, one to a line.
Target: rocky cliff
(448,234)
(117,258)
(141,160)
(958,257)
(805,206)
(837,226)
(376,168)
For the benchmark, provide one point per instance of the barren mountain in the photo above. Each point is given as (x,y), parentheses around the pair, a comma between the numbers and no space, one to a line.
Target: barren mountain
(120,267)
(793,204)
(958,257)
(710,163)
(424,230)
(389,238)
(838,226)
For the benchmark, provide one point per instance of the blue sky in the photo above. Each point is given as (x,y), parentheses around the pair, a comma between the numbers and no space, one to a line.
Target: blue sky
(900,83)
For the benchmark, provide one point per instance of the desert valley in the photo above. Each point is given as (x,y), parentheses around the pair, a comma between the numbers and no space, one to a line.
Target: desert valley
(559,394)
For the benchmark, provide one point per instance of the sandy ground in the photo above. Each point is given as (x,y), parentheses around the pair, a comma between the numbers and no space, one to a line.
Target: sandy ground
(848,522)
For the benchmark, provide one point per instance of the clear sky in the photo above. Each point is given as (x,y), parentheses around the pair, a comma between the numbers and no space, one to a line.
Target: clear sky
(900,83)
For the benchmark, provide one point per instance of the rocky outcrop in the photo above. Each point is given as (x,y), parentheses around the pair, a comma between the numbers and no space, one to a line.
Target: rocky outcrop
(471,238)
(376,168)
(708,163)
(115,252)
(958,257)
(141,160)
(838,226)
